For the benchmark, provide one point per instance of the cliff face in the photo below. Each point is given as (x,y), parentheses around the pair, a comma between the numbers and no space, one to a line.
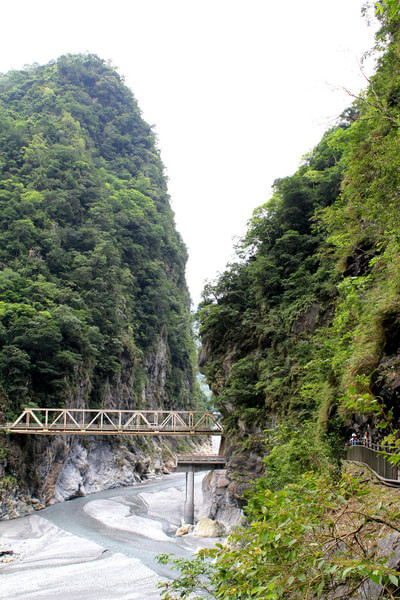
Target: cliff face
(94,308)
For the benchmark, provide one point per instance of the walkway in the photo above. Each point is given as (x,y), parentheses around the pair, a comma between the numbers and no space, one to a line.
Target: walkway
(373,456)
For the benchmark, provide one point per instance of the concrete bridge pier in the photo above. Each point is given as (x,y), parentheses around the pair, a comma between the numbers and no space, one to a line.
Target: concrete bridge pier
(191,464)
(188,509)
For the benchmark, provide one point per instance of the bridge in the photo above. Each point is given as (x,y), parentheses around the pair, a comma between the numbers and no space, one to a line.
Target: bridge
(374,456)
(78,421)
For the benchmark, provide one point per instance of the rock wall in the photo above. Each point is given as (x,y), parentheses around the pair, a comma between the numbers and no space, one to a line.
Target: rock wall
(220,501)
(90,465)
(223,489)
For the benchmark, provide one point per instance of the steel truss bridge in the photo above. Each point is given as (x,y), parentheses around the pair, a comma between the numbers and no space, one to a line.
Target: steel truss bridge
(55,421)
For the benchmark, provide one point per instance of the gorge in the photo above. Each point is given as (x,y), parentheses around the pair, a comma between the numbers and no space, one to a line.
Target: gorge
(300,335)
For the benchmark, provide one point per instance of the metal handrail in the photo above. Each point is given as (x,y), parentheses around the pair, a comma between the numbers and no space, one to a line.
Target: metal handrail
(373,455)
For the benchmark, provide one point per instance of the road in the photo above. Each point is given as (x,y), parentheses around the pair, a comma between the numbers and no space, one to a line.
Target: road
(100,547)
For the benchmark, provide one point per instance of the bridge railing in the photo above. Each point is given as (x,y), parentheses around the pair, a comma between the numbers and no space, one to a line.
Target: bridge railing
(47,421)
(374,456)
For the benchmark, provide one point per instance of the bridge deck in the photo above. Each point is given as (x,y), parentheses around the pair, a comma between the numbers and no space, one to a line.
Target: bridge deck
(211,459)
(200,462)
(54,421)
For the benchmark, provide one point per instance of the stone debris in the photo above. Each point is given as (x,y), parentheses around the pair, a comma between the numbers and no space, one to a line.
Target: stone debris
(13,505)
(184,530)
(6,556)
(37,505)
(6,559)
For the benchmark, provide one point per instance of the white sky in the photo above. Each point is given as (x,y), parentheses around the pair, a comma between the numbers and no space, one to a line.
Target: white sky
(238,91)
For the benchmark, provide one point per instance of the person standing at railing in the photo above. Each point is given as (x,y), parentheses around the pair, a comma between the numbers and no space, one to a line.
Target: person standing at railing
(366,440)
(353,439)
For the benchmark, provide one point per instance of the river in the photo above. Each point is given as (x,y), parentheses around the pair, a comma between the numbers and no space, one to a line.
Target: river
(99,547)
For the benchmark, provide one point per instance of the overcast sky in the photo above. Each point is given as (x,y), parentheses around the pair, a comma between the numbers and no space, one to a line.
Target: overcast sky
(238,91)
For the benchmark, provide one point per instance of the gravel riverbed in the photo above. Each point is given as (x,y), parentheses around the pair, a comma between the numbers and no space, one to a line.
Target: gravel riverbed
(100,547)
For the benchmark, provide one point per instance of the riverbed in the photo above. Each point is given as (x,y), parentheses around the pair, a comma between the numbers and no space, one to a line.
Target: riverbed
(99,547)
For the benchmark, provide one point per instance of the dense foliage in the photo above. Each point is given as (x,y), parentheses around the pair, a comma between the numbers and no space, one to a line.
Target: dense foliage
(92,268)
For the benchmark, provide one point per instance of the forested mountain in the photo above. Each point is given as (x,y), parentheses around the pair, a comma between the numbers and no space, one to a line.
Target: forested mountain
(94,307)
(259,320)
(307,319)
(92,266)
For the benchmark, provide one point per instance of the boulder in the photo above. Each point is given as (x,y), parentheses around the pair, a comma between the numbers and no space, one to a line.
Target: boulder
(208,528)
